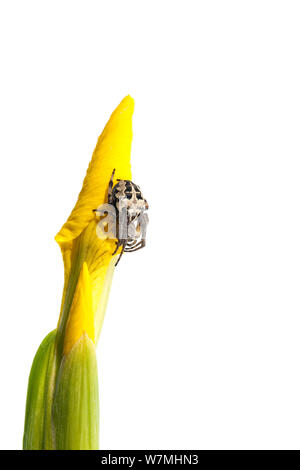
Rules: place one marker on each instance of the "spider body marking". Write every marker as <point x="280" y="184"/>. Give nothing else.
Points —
<point x="131" y="217"/>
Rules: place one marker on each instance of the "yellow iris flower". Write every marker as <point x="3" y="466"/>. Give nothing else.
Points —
<point x="77" y="238"/>
<point x="67" y="354"/>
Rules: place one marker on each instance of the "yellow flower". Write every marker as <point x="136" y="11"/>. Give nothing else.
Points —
<point x="77" y="238"/>
<point x="62" y="398"/>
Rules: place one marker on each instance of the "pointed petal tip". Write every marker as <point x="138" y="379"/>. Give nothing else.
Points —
<point x="112" y="151"/>
<point x="128" y="101"/>
<point x="126" y="106"/>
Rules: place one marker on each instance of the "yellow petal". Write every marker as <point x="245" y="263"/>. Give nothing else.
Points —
<point x="78" y="238"/>
<point x="112" y="151"/>
<point x="81" y="316"/>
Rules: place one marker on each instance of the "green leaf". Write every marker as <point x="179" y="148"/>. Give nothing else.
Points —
<point x="76" y="400"/>
<point x="37" y="430"/>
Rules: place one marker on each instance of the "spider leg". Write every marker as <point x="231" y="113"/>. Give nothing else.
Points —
<point x="136" y="247"/>
<point x="129" y="250"/>
<point x="131" y="243"/>
<point x="110" y="186"/>
<point x="122" y="251"/>
<point x="119" y="243"/>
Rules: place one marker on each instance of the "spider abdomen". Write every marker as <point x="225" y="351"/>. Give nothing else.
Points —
<point x="131" y="220"/>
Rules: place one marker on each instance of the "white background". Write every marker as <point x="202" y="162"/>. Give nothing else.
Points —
<point x="200" y="347"/>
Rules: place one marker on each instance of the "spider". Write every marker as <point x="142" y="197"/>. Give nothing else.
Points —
<point x="131" y="221"/>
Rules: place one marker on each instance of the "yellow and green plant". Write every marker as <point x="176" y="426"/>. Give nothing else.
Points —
<point x="62" y="407"/>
